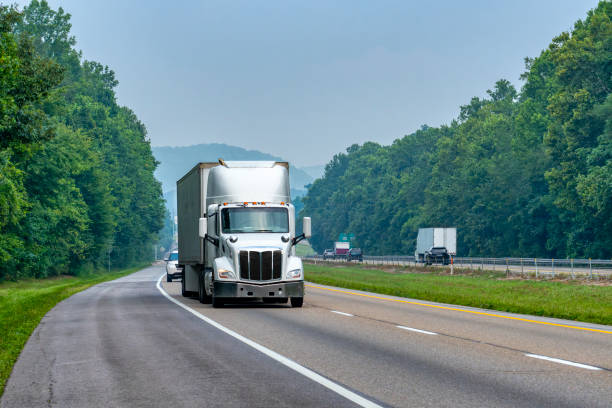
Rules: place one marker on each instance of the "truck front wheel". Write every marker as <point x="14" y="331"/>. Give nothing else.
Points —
<point x="297" y="301"/>
<point x="202" y="295"/>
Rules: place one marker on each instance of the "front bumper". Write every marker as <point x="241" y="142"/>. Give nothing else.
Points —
<point x="247" y="290"/>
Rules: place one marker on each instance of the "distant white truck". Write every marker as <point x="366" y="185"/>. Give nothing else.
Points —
<point x="341" y="249"/>
<point x="236" y="233"/>
<point x="431" y="240"/>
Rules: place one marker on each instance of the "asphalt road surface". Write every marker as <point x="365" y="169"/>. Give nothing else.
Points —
<point x="123" y="343"/>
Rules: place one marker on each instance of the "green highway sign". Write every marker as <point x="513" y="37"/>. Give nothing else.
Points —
<point x="344" y="237"/>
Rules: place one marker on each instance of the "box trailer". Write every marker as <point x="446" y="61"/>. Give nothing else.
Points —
<point x="429" y="238"/>
<point x="341" y="248"/>
<point x="236" y="233"/>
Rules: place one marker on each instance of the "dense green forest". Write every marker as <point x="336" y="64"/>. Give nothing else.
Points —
<point x="76" y="169"/>
<point x="524" y="173"/>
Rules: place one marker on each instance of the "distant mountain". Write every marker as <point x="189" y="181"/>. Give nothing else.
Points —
<point x="315" y="171"/>
<point x="176" y="161"/>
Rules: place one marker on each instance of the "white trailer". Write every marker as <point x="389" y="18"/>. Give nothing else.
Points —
<point x="435" y="238"/>
<point x="341" y="248"/>
<point x="236" y="233"/>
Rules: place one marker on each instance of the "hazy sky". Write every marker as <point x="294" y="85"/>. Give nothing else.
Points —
<point x="306" y="79"/>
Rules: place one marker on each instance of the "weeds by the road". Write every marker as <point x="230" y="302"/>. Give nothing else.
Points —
<point x="565" y="300"/>
<point x="23" y="304"/>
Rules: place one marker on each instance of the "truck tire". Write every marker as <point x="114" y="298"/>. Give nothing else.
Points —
<point x="202" y="296"/>
<point x="184" y="292"/>
<point x="297" y="301"/>
<point x="168" y="278"/>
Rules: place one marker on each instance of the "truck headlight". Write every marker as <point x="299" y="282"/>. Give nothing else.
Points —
<point x="294" y="274"/>
<point x="226" y="274"/>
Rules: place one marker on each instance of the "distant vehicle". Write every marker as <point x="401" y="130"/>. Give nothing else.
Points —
<point x="354" y="254"/>
<point x="329" y="253"/>
<point x="341" y="248"/>
<point x="437" y="255"/>
<point x="172" y="270"/>
<point x="435" y="238"/>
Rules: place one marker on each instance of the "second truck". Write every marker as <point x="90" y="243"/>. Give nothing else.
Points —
<point x="237" y="233"/>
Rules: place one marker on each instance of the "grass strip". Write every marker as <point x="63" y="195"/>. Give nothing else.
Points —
<point x="24" y="303"/>
<point x="565" y="300"/>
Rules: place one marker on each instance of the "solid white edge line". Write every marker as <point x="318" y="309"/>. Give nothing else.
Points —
<point x="557" y="360"/>
<point x="417" y="330"/>
<point x="342" y="313"/>
<point x="338" y="389"/>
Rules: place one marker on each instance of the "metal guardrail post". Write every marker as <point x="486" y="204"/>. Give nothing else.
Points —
<point x="590" y="269"/>
<point x="507" y="269"/>
<point x="536" y="265"/>
<point x="481" y="264"/>
<point x="553" y="266"/>
<point x="522" y="267"/>
<point x="572" y="265"/>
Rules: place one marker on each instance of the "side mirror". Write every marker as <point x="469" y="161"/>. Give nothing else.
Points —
<point x="167" y="259"/>
<point x="211" y="211"/>
<point x="306" y="227"/>
<point x="203" y="227"/>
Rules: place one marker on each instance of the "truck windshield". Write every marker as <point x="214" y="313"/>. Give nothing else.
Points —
<point x="241" y="220"/>
<point x="174" y="256"/>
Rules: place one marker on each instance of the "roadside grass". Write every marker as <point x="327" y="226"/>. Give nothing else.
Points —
<point x="571" y="300"/>
<point x="304" y="249"/>
<point x="24" y="303"/>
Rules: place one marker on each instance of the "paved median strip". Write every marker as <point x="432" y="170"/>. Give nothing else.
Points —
<point x="342" y="313"/>
<point x="566" y="362"/>
<point x="417" y="330"/>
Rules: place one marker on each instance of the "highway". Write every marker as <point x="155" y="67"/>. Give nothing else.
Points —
<point x="128" y="343"/>
<point x="561" y="268"/>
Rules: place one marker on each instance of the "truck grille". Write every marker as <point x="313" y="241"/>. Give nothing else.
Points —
<point x="260" y="266"/>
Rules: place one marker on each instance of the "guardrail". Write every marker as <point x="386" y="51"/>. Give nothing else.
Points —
<point x="538" y="267"/>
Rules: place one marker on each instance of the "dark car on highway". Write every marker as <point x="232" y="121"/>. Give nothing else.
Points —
<point x="354" y="254"/>
<point x="437" y="255"/>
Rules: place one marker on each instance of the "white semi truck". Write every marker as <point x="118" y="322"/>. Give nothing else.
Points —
<point x="435" y="239"/>
<point x="236" y="233"/>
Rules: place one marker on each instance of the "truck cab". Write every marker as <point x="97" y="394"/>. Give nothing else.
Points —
<point x="254" y="252"/>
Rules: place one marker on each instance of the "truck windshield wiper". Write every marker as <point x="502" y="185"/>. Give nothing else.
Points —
<point x="263" y="230"/>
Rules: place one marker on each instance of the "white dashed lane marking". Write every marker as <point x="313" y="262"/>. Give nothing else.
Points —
<point x="342" y="313"/>
<point x="417" y="330"/>
<point x="558" y="360"/>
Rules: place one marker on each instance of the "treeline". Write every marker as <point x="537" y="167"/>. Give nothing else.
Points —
<point x="76" y="169"/>
<point x="518" y="174"/>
